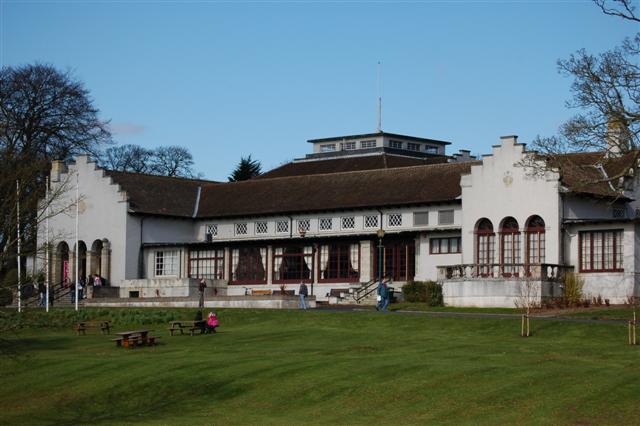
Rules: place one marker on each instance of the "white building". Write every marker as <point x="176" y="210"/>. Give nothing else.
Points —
<point x="482" y="228"/>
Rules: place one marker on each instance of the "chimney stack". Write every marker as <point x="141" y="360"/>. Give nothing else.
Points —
<point x="57" y="168"/>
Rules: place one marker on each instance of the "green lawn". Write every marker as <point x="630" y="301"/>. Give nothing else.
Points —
<point x="292" y="367"/>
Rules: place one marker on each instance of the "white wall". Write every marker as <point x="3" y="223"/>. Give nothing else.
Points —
<point x="226" y="227"/>
<point x="103" y="213"/>
<point x="498" y="189"/>
<point x="589" y="208"/>
<point x="615" y="286"/>
<point x="427" y="263"/>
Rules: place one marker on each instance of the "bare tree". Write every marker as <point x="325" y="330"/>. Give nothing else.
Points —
<point x="620" y="8"/>
<point x="45" y="114"/>
<point x="128" y="158"/>
<point x="528" y="298"/>
<point x="173" y="161"/>
<point x="606" y="93"/>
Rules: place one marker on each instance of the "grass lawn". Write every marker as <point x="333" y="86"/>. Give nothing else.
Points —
<point x="292" y="367"/>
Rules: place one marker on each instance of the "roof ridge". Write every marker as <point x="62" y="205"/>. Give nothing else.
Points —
<point x="182" y="178"/>
<point x="354" y="172"/>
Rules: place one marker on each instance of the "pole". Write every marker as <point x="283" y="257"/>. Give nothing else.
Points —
<point x="19" y="248"/>
<point x="379" y="99"/>
<point x="46" y="245"/>
<point x="77" y="239"/>
<point x="380" y="260"/>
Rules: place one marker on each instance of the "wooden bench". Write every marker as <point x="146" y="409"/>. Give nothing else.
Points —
<point x="136" y="341"/>
<point x="191" y="326"/>
<point x="82" y="326"/>
<point x="132" y="341"/>
<point x="176" y="327"/>
<point x="261" y="292"/>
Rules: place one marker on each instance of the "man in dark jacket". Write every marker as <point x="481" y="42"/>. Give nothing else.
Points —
<point x="201" y="287"/>
<point x="383" y="296"/>
<point x="42" y="289"/>
<point x="303" y="292"/>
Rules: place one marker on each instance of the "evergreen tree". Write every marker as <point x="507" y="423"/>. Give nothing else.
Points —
<point x="246" y="169"/>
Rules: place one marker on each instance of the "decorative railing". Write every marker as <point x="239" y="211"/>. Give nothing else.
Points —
<point x="541" y="271"/>
<point x="366" y="289"/>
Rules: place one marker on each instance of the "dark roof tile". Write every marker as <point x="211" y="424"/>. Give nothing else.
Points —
<point x="335" y="191"/>
<point x="349" y="164"/>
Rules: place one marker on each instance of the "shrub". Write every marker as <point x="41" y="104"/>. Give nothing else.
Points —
<point x="573" y="284"/>
<point x="429" y="292"/>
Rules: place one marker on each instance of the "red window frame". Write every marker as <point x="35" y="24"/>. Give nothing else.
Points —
<point x="399" y="259"/>
<point x="485" y="239"/>
<point x="536" y="229"/>
<point x="618" y="234"/>
<point x="433" y="242"/>
<point x="300" y="255"/>
<point x="337" y="250"/>
<point x="255" y="261"/>
<point x="510" y="242"/>
<point x="218" y="264"/>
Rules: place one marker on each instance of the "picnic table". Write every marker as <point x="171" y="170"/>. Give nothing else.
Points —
<point x="133" y="338"/>
<point x="104" y="325"/>
<point x="191" y="325"/>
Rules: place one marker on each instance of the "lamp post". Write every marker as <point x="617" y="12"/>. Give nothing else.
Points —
<point x="380" y="234"/>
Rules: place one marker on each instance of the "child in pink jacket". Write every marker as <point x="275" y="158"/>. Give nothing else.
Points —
<point x="212" y="322"/>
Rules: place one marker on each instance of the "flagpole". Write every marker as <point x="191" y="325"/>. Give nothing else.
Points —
<point x="77" y="239"/>
<point x="18" y="253"/>
<point x="46" y="254"/>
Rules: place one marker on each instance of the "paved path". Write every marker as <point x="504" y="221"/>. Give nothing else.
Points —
<point x="485" y="315"/>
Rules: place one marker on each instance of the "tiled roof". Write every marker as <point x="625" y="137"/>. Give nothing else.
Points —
<point x="311" y="190"/>
<point x="335" y="191"/>
<point x="336" y="165"/>
<point x="590" y="173"/>
<point x="159" y="195"/>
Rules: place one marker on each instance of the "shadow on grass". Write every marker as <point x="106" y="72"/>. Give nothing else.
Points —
<point x="15" y="347"/>
<point x="139" y="399"/>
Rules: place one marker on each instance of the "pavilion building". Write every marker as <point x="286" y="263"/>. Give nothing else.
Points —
<point x="358" y="207"/>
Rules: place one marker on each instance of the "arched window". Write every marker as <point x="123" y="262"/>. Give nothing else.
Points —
<point x="535" y="241"/>
<point x="485" y="246"/>
<point x="510" y="246"/>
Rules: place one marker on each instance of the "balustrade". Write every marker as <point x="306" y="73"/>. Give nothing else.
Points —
<point x="541" y="271"/>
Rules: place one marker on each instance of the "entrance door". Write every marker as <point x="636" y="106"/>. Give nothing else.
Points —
<point x="399" y="260"/>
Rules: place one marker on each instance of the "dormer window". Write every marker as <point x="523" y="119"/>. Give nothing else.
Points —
<point x="395" y="144"/>
<point x="330" y="147"/>
<point x="348" y="146"/>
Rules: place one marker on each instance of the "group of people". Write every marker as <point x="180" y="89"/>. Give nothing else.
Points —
<point x="93" y="280"/>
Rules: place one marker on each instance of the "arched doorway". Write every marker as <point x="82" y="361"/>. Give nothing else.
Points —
<point x="95" y="258"/>
<point x="82" y="260"/>
<point x="62" y="271"/>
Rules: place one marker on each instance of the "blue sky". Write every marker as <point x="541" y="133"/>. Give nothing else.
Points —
<point x="231" y="79"/>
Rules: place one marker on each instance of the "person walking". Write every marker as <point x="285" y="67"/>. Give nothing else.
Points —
<point x="42" y="289"/>
<point x="383" y="296"/>
<point x="303" y="292"/>
<point x="201" y="287"/>
<point x="81" y="285"/>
